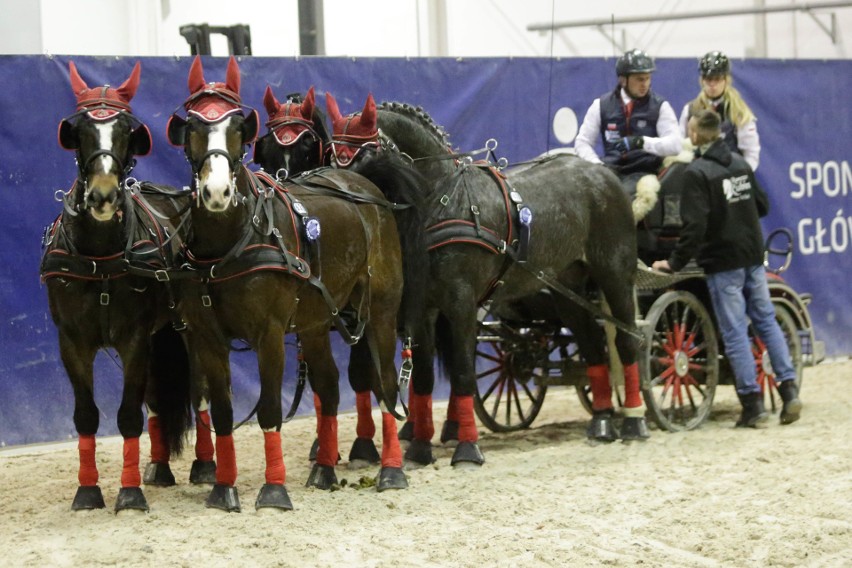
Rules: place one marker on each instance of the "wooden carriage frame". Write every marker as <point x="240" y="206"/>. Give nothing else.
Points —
<point x="681" y="361"/>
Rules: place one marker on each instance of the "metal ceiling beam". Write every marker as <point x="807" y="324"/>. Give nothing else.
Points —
<point x="598" y="23"/>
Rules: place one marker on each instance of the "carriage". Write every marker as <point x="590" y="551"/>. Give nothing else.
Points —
<point x="521" y="351"/>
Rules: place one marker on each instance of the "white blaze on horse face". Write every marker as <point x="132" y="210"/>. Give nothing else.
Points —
<point x="216" y="178"/>
<point x="103" y="180"/>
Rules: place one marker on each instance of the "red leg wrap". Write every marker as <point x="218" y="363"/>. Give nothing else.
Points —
<point x="203" y="437"/>
<point x="366" y="428"/>
<point x="421" y="407"/>
<point x="601" y="389"/>
<point x="328" y="451"/>
<point x="226" y="466"/>
<point x="632" y="399"/>
<point x="275" y="472"/>
<point x="467" y="423"/>
<point x="130" y="476"/>
<point x="391" y="450"/>
<point x="159" y="450"/>
<point x="88" y="473"/>
<point x="452" y="409"/>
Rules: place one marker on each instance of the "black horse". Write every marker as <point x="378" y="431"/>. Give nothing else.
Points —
<point x="557" y="222"/>
<point x="298" y="141"/>
<point x="262" y="270"/>
<point x="101" y="261"/>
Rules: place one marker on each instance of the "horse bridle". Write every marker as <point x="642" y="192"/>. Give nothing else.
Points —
<point x="83" y="165"/>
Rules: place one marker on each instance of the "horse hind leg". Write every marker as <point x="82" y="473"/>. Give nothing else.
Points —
<point x="619" y="296"/>
<point x="361" y="375"/>
<point x="168" y="402"/>
<point x="590" y="341"/>
<point x="324" y="377"/>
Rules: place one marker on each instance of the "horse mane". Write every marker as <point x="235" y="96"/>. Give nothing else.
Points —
<point x="420" y="116"/>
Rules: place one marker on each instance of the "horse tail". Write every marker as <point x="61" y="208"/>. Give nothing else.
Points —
<point x="170" y="377"/>
<point x="403" y="185"/>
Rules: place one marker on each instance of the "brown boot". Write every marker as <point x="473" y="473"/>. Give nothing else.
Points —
<point x="792" y="405"/>
<point x="753" y="415"/>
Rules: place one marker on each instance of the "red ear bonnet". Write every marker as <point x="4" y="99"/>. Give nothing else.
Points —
<point x="351" y="133"/>
<point x="103" y="103"/>
<point x="212" y="102"/>
<point x="289" y="121"/>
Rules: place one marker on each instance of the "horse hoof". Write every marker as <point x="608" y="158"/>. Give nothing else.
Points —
<point x="450" y="433"/>
<point x="364" y="450"/>
<point x="391" y="478"/>
<point x="273" y="496"/>
<point x="159" y="475"/>
<point x="634" y="428"/>
<point x="467" y="453"/>
<point x="224" y="497"/>
<point x="88" y="497"/>
<point x="602" y="427"/>
<point x="202" y="472"/>
<point x="322" y="477"/>
<point x="130" y="498"/>
<point x="406" y="433"/>
<point x="419" y="454"/>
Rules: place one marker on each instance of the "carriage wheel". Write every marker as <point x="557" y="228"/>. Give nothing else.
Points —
<point x="511" y="378"/>
<point x="683" y="362"/>
<point x="765" y="374"/>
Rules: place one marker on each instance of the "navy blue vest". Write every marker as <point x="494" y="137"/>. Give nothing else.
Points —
<point x="643" y="122"/>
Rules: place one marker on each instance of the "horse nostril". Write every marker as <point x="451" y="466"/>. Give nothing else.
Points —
<point x="205" y="193"/>
<point x="227" y="193"/>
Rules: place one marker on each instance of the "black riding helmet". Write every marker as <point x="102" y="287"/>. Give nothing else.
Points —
<point x="714" y="63"/>
<point x="634" y="61"/>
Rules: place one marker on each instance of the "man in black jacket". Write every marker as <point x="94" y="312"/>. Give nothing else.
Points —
<point x="720" y="209"/>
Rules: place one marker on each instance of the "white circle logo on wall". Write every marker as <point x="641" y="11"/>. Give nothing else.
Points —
<point x="565" y="125"/>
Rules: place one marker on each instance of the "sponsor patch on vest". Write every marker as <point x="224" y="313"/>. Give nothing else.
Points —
<point x="736" y="188"/>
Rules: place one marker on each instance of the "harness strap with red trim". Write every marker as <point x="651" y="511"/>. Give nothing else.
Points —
<point x="457" y="231"/>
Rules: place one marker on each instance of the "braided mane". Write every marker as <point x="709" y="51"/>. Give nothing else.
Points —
<point x="419" y="115"/>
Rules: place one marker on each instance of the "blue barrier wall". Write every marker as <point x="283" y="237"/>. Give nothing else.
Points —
<point x="805" y="123"/>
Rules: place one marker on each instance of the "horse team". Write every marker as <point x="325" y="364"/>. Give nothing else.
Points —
<point x="376" y="230"/>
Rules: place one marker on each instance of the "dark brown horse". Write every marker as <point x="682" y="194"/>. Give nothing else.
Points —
<point x="102" y="258"/>
<point x="298" y="141"/>
<point x="270" y="259"/>
<point x="500" y="237"/>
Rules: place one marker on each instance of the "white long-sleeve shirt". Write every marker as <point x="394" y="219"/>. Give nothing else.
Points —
<point x="666" y="143"/>
<point x="748" y="140"/>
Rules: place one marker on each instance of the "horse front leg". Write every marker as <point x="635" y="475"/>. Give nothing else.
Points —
<point x="213" y="362"/>
<point x="463" y="328"/>
<point x="78" y="360"/>
<point x="134" y="357"/>
<point x="270" y="361"/>
<point x="324" y="376"/>
<point x="419" y="451"/>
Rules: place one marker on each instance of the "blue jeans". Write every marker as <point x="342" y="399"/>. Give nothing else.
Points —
<point x="737" y="296"/>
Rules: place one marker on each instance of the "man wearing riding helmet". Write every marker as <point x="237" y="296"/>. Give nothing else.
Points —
<point x="739" y="129"/>
<point x="637" y="126"/>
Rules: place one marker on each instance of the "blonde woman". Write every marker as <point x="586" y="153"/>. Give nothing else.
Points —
<point x="739" y="129"/>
